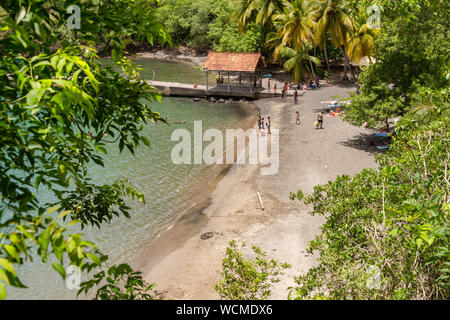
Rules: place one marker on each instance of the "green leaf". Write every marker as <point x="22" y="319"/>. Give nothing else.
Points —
<point x="34" y="96"/>
<point x="64" y="213"/>
<point x="4" y="277"/>
<point x="52" y="209"/>
<point x="59" y="98"/>
<point x="70" y="246"/>
<point x="73" y="222"/>
<point x="11" y="251"/>
<point x="44" y="240"/>
<point x="393" y="232"/>
<point x="146" y="141"/>
<point x="94" y="258"/>
<point x="7" y="265"/>
<point x="34" y="145"/>
<point x="22" y="13"/>
<point x="42" y="63"/>
<point x="62" y="172"/>
<point x="2" y="291"/>
<point x="58" y="267"/>
<point x="419" y="242"/>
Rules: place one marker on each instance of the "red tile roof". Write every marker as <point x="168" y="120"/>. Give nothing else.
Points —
<point x="232" y="61"/>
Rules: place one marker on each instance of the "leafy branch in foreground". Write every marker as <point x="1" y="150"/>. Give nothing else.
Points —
<point x="394" y="220"/>
<point x="59" y="110"/>
<point x="120" y="283"/>
<point x="244" y="279"/>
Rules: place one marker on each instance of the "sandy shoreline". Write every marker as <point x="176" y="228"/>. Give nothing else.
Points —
<point x="191" y="267"/>
<point x="190" y="220"/>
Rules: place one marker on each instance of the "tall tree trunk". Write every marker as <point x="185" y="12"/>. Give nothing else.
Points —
<point x="345" y="72"/>
<point x="312" y="69"/>
<point x="347" y="62"/>
<point x="326" y="57"/>
<point x="310" y="64"/>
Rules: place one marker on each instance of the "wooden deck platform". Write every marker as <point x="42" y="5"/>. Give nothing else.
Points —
<point x="188" y="90"/>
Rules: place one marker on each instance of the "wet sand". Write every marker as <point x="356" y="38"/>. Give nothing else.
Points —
<point x="187" y="266"/>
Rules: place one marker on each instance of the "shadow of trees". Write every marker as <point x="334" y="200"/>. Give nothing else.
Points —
<point x="366" y="142"/>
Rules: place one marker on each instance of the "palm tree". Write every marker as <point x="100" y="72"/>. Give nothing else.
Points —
<point x="273" y="42"/>
<point x="297" y="62"/>
<point x="362" y="43"/>
<point x="269" y="8"/>
<point x="332" y="18"/>
<point x="295" y="25"/>
<point x="261" y="11"/>
<point x="245" y="11"/>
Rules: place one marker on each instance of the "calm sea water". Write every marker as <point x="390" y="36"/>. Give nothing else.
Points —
<point x="160" y="70"/>
<point x="168" y="189"/>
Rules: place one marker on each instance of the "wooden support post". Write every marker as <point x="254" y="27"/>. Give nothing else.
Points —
<point x="206" y="82"/>
<point x="261" y="77"/>
<point x="228" y="81"/>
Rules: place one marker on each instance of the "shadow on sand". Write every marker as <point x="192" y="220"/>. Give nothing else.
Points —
<point x="324" y="109"/>
<point x="363" y="142"/>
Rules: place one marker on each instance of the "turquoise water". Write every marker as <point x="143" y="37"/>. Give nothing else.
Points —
<point x="160" y="70"/>
<point x="168" y="189"/>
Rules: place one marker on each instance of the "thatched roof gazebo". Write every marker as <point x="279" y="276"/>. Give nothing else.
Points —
<point x="246" y="67"/>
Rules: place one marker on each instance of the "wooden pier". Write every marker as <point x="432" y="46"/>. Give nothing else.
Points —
<point x="239" y="75"/>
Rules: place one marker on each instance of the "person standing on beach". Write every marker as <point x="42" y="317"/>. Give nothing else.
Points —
<point x="261" y="127"/>
<point x="259" y="122"/>
<point x="297" y="117"/>
<point x="283" y="95"/>
<point x="320" y="120"/>
<point x="275" y="88"/>
<point x="268" y="124"/>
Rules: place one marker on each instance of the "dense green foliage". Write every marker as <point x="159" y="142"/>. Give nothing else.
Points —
<point x="58" y="110"/>
<point x="413" y="52"/>
<point x="269" y="26"/>
<point x="207" y="24"/>
<point x="247" y="279"/>
<point x="394" y="219"/>
<point x="308" y="27"/>
<point x="120" y="283"/>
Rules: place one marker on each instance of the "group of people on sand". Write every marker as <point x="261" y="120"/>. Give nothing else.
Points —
<point x="261" y="125"/>
<point x="176" y="122"/>
<point x="318" y="124"/>
<point x="307" y="85"/>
